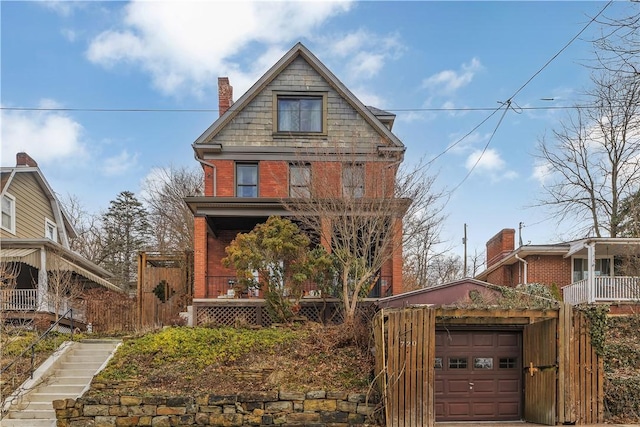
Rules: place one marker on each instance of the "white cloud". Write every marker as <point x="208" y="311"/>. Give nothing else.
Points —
<point x="541" y="172"/>
<point x="490" y="163"/>
<point x="463" y="145"/>
<point x="185" y="46"/>
<point x="120" y="164"/>
<point x="61" y="7"/>
<point x="449" y="81"/>
<point x="47" y="136"/>
<point x="69" y="34"/>
<point x="363" y="53"/>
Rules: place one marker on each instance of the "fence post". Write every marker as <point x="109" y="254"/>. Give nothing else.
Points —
<point x="71" y="313"/>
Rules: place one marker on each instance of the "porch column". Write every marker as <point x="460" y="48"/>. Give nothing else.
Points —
<point x="43" y="283"/>
<point x="200" y="257"/>
<point x="396" y="257"/>
<point x="591" y="270"/>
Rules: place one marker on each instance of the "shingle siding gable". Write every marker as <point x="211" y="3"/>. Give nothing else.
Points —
<point x="253" y="126"/>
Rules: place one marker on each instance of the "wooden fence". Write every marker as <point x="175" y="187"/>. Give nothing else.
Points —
<point x="405" y="368"/>
<point x="581" y="371"/>
<point x="109" y="311"/>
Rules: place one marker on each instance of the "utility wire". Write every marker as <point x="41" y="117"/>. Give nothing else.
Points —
<point x="215" y="110"/>
<point x="508" y="102"/>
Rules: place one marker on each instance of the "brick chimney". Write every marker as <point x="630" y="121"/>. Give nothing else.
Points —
<point x="500" y="246"/>
<point x="225" y="95"/>
<point x="23" y="159"/>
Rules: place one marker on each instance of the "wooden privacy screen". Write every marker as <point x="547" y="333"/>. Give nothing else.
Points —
<point x="405" y="351"/>
<point x="581" y="371"/>
<point x="165" y="287"/>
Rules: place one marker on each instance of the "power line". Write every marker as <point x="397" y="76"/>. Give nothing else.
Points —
<point x="215" y="110"/>
<point x="508" y="102"/>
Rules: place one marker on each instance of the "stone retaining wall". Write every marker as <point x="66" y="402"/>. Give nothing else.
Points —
<point x="270" y="408"/>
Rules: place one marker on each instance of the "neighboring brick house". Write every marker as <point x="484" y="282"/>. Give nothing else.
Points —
<point x="259" y="152"/>
<point x="586" y="270"/>
<point x="35" y="233"/>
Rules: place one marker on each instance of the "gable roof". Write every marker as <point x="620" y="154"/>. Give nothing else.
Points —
<point x="62" y="218"/>
<point x="299" y="50"/>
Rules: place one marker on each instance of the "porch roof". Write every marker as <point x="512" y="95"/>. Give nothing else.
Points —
<point x="28" y="251"/>
<point x="608" y="245"/>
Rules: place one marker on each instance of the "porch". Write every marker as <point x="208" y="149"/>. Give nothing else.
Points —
<point x="603" y="289"/>
<point x="224" y="287"/>
<point x="26" y="302"/>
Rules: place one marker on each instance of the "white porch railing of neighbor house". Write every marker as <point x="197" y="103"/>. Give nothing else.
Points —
<point x="605" y="289"/>
<point x="26" y="300"/>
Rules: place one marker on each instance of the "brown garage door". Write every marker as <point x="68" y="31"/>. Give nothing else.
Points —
<point x="478" y="375"/>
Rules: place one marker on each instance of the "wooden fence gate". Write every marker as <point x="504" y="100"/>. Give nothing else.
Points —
<point x="165" y="287"/>
<point x="405" y="368"/>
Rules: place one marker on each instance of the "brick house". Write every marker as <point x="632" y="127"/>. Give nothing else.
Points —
<point x="594" y="269"/>
<point x="298" y="132"/>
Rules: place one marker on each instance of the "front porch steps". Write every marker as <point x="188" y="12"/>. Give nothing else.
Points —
<point x="67" y="378"/>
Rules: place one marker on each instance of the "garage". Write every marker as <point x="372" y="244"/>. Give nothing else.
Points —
<point x="478" y="375"/>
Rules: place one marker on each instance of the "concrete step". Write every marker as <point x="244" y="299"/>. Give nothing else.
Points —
<point x="16" y="422"/>
<point x="30" y="414"/>
<point x="34" y="405"/>
<point x="69" y="380"/>
<point x="49" y="397"/>
<point x="67" y="366"/>
<point x="66" y="377"/>
<point x="62" y="388"/>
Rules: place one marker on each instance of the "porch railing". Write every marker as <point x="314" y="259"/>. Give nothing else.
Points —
<point x="26" y="300"/>
<point x="606" y="289"/>
<point x="223" y="287"/>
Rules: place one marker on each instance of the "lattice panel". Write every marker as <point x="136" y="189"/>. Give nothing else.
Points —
<point x="229" y="316"/>
<point x="311" y="312"/>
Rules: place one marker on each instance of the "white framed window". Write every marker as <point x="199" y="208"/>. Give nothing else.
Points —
<point x="9" y="213"/>
<point x="50" y="230"/>
<point x="300" y="113"/>
<point x="246" y="180"/>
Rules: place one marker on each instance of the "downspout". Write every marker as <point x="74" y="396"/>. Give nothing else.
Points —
<point x="215" y="173"/>
<point x="591" y="267"/>
<point x="525" y="267"/>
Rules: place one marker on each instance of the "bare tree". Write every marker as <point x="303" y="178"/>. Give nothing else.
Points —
<point x="592" y="162"/>
<point x="354" y="205"/>
<point x="164" y="193"/>
<point x="89" y="239"/>
<point x="618" y="47"/>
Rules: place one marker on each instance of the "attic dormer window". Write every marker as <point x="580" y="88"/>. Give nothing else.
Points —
<point x="300" y="114"/>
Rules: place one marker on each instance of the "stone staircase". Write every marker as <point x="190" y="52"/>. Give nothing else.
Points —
<point x="68" y="376"/>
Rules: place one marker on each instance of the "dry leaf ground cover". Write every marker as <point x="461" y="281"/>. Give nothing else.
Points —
<point x="181" y="360"/>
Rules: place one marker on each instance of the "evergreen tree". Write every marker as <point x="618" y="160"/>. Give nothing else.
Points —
<point x="126" y="231"/>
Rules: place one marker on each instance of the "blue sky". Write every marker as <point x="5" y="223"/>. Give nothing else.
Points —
<point x="404" y="57"/>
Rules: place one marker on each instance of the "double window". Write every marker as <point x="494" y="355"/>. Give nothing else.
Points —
<point x="300" y="181"/>
<point x="300" y="113"/>
<point x="246" y="180"/>
<point x="9" y="213"/>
